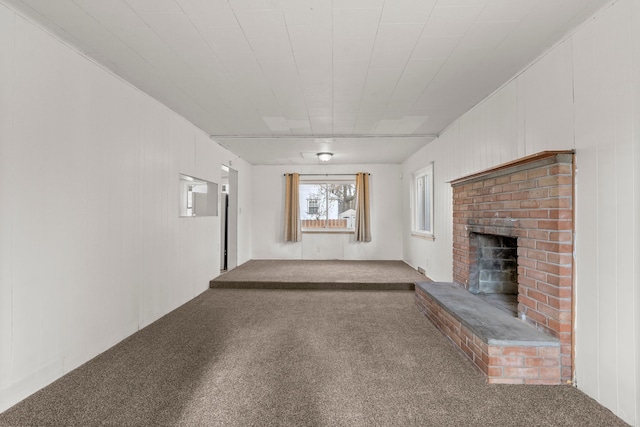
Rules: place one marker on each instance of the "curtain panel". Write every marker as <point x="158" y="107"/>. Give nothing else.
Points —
<point x="363" y="222"/>
<point x="292" y="228"/>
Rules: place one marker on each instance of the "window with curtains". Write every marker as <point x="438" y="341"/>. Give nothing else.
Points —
<point x="422" y="201"/>
<point x="327" y="205"/>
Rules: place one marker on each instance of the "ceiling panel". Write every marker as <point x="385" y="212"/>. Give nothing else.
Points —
<point x="398" y="36"/>
<point x="358" y="4"/>
<point x="487" y="34"/>
<point x="407" y="11"/>
<point x="450" y="20"/>
<point x="506" y="10"/>
<point x="207" y="13"/>
<point x="389" y="58"/>
<point x="353" y="49"/>
<point x="262" y="24"/>
<point x="429" y="47"/>
<point x="254" y="5"/>
<point x="267" y="76"/>
<point x="227" y="42"/>
<point x="355" y="23"/>
<point x="463" y="3"/>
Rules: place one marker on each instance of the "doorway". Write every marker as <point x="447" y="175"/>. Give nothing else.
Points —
<point x="228" y="218"/>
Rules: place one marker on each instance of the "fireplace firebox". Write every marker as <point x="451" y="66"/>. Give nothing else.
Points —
<point x="494" y="276"/>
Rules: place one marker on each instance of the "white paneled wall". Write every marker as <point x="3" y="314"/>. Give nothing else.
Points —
<point x="635" y="90"/>
<point x="91" y="246"/>
<point x="607" y="143"/>
<point x="6" y="122"/>
<point x="545" y="102"/>
<point x="268" y="211"/>
<point x="584" y="94"/>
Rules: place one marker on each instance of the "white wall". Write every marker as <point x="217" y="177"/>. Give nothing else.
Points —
<point x="584" y="94"/>
<point x="91" y="246"/>
<point x="607" y="118"/>
<point x="268" y="211"/>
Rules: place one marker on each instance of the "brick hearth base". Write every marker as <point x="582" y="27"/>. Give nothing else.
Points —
<point x="505" y="349"/>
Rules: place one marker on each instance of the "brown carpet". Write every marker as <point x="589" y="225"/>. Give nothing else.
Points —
<point x="336" y="274"/>
<point x="295" y="358"/>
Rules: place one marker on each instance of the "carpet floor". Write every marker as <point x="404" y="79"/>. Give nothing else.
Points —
<point x="320" y="274"/>
<point x="295" y="358"/>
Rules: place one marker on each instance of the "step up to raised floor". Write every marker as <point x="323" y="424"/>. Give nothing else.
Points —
<point x="504" y="348"/>
<point x="346" y="286"/>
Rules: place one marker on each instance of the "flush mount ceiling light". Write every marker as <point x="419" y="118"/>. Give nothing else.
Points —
<point x="325" y="156"/>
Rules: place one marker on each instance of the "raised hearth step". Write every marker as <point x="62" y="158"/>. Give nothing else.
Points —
<point x="505" y="349"/>
<point x="487" y="322"/>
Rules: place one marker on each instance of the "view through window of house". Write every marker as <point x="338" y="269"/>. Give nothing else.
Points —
<point x="328" y="205"/>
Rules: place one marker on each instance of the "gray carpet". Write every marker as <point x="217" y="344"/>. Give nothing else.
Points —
<point x="312" y="274"/>
<point x="295" y="358"/>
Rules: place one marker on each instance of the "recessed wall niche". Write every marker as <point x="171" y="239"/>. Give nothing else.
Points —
<point x="197" y="197"/>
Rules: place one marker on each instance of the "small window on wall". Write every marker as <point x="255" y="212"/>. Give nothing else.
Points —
<point x="327" y="205"/>
<point x="198" y="197"/>
<point x="422" y="200"/>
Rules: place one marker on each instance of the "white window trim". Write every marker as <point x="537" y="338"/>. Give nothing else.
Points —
<point x="429" y="235"/>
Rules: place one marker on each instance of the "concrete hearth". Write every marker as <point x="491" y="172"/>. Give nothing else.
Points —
<point x="505" y="349"/>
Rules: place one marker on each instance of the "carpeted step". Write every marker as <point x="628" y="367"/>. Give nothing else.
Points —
<point x="347" y="286"/>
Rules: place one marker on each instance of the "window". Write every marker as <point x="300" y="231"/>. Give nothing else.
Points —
<point x="327" y="205"/>
<point x="312" y="206"/>
<point x="197" y="197"/>
<point x="422" y="199"/>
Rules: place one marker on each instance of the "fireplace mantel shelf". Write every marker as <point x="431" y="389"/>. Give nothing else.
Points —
<point x="509" y="165"/>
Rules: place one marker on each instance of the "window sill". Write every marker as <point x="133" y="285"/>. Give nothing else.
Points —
<point x="424" y="236"/>
<point x="328" y="231"/>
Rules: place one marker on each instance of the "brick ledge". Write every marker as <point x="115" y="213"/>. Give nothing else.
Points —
<point x="505" y="349"/>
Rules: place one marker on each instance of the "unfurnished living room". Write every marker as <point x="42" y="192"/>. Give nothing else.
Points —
<point x="320" y="212"/>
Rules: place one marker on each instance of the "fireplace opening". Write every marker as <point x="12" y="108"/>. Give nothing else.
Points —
<point x="495" y="275"/>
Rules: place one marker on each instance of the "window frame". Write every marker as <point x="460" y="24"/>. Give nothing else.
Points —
<point x="416" y="177"/>
<point x="346" y="179"/>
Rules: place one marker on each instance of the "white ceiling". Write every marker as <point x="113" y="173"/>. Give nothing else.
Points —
<point x="271" y="80"/>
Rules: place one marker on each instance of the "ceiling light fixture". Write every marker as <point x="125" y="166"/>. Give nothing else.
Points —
<point x="325" y="156"/>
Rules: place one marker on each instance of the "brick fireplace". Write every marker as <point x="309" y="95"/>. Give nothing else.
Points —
<point x="512" y="239"/>
<point x="528" y="202"/>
